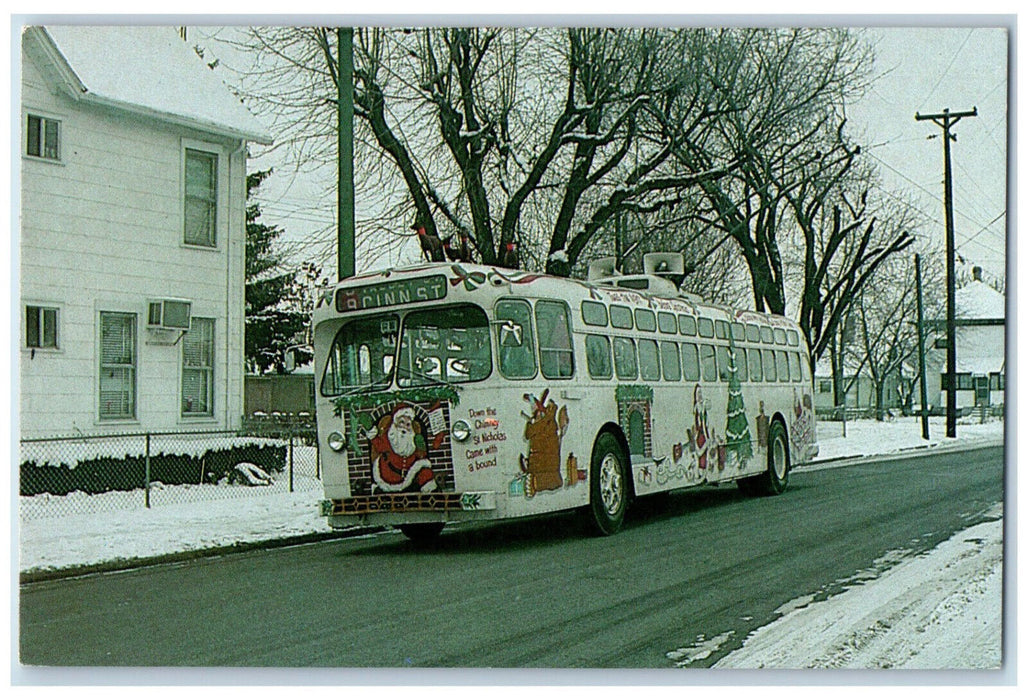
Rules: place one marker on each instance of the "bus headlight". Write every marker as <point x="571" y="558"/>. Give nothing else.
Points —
<point x="336" y="442"/>
<point x="460" y="430"/>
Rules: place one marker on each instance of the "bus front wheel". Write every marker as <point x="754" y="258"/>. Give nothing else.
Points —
<point x="608" y="485"/>
<point x="421" y="532"/>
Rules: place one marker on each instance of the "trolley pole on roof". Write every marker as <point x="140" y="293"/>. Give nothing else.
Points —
<point x="344" y="200"/>
<point x="946" y="120"/>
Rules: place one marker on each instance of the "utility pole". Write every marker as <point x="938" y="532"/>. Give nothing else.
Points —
<point x="946" y="121"/>
<point x="920" y="349"/>
<point x="344" y="194"/>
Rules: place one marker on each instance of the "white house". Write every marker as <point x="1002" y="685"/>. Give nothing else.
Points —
<point x="980" y="314"/>
<point x="133" y="189"/>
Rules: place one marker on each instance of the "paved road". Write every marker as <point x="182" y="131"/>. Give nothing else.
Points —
<point x="535" y="594"/>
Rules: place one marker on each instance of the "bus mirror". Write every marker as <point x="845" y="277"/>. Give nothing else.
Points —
<point x="289" y="357"/>
<point x="510" y="335"/>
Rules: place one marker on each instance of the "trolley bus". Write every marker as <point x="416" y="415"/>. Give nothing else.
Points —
<point x="454" y="392"/>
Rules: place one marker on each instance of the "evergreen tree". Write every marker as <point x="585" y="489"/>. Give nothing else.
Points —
<point x="277" y="302"/>
<point x="737" y="430"/>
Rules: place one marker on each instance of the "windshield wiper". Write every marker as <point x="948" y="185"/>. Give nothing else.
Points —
<point x="380" y="384"/>
<point x="412" y="373"/>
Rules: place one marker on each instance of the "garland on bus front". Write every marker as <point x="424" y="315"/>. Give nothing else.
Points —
<point x="418" y="395"/>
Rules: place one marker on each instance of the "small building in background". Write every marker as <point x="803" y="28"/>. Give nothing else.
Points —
<point x="981" y="349"/>
<point x="981" y="362"/>
<point x="290" y="394"/>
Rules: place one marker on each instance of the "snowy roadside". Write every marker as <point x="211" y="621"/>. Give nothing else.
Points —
<point x="104" y="535"/>
<point x="939" y="610"/>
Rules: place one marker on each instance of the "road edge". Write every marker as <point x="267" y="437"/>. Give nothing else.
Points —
<point x="116" y="565"/>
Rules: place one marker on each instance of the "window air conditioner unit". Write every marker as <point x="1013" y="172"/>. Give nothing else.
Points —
<point x="169" y="314"/>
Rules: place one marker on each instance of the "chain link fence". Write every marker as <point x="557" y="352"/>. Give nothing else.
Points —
<point x="93" y="473"/>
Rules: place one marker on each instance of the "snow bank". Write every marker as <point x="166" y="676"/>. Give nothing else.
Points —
<point x="940" y="610"/>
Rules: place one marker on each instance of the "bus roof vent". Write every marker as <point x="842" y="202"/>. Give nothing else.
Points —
<point x="603" y="268"/>
<point x="667" y="265"/>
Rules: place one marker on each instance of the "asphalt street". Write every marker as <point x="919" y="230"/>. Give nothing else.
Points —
<point x="538" y="593"/>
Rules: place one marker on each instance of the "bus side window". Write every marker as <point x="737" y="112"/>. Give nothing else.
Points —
<point x="624" y="358"/>
<point x="597" y="357"/>
<point x="556" y="356"/>
<point x="707" y="362"/>
<point x="670" y="364"/>
<point x="794" y="367"/>
<point x="690" y="362"/>
<point x="516" y="350"/>
<point x="769" y="365"/>
<point x="740" y="364"/>
<point x="649" y="360"/>
<point x="756" y="370"/>
<point x="722" y="362"/>
<point x="783" y="365"/>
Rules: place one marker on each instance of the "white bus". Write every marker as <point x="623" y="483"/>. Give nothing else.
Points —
<point x="453" y="392"/>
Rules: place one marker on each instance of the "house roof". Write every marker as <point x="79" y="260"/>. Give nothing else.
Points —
<point x="977" y="300"/>
<point x="149" y="70"/>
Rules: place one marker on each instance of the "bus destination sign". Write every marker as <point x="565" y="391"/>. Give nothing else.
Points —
<point x="373" y="296"/>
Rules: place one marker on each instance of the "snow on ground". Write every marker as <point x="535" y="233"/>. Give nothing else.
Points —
<point x="938" y="610"/>
<point x="870" y="437"/>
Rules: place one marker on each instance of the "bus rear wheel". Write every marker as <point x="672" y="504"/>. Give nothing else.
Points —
<point x="773" y="481"/>
<point x="421" y="532"/>
<point x="608" y="485"/>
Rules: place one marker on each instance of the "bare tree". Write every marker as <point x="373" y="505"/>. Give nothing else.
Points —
<point x="886" y="314"/>
<point x="780" y="97"/>
<point x="512" y="145"/>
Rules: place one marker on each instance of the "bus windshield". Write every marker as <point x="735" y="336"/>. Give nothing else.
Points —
<point x="362" y="354"/>
<point x="440" y="345"/>
<point x="449" y="344"/>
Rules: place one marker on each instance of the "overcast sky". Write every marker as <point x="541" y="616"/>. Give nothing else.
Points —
<point x="928" y="70"/>
<point x="919" y="69"/>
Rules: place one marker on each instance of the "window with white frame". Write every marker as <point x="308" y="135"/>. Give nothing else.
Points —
<point x="43" y="137"/>
<point x="201" y="197"/>
<point x="117" y="365"/>
<point x="41" y="327"/>
<point x="198" y="368"/>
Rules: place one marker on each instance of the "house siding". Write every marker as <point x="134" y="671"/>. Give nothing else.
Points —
<point x="102" y="231"/>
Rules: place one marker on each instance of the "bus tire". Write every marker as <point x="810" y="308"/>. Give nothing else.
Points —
<point x="776" y="478"/>
<point x="421" y="532"/>
<point x="608" y="485"/>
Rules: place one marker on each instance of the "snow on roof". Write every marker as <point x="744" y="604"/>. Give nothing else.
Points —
<point x="979" y="300"/>
<point x="151" y="69"/>
<point x="980" y="365"/>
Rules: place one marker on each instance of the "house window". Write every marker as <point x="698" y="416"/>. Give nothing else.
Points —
<point x="201" y="206"/>
<point x="964" y="381"/>
<point x="117" y="365"/>
<point x="40" y="327"/>
<point x="43" y="137"/>
<point x="198" y="368"/>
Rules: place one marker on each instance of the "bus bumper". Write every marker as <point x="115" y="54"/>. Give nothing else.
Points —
<point x="401" y="503"/>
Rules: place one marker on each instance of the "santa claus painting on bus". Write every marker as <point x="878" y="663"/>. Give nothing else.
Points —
<point x="399" y="454"/>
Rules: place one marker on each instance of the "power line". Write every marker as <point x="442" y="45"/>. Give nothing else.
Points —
<point x="969" y="240"/>
<point x="952" y="60"/>
<point x="925" y="190"/>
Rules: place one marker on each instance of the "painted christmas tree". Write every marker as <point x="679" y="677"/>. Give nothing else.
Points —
<point x="737" y="431"/>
